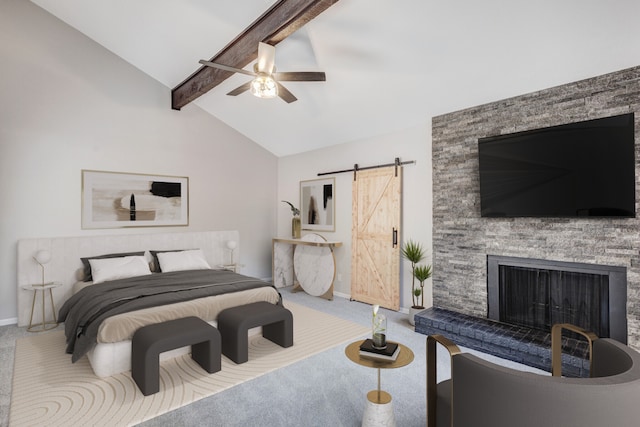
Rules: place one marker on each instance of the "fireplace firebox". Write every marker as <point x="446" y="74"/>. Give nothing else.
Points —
<point x="538" y="293"/>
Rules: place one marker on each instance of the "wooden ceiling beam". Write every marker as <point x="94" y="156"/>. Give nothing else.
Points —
<point x="281" y="20"/>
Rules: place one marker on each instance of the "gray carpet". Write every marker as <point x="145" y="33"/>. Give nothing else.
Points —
<point x="325" y="389"/>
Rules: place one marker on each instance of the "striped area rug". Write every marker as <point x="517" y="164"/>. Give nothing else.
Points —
<point x="49" y="390"/>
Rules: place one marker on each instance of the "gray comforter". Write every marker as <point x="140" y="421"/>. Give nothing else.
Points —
<point x="84" y="312"/>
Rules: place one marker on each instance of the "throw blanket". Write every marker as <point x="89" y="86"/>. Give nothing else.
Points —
<point x="84" y="312"/>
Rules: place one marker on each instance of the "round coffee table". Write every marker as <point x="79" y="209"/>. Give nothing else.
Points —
<point x="379" y="410"/>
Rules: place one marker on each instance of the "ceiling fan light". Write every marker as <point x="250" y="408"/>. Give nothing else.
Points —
<point x="264" y="86"/>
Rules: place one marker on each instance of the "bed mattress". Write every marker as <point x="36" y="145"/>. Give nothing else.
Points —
<point x="112" y="354"/>
<point x="100" y="319"/>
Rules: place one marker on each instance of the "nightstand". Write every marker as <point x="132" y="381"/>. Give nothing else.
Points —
<point x="232" y="267"/>
<point x="44" y="325"/>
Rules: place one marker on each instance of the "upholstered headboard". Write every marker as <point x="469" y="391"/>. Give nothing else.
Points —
<point x="67" y="251"/>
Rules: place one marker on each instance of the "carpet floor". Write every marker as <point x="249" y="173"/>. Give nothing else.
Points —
<point x="49" y="390"/>
<point x="320" y="390"/>
<point x="326" y="389"/>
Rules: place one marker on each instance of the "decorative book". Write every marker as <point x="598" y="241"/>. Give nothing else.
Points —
<point x="390" y="353"/>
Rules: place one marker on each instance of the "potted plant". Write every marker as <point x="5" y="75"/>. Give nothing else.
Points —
<point x="295" y="221"/>
<point x="414" y="253"/>
<point x="422" y="273"/>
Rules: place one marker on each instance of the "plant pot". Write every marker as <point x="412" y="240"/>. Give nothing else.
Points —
<point x="296" y="227"/>
<point x="412" y="312"/>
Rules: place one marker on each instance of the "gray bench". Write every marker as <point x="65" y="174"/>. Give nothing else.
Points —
<point x="234" y="324"/>
<point x="149" y="341"/>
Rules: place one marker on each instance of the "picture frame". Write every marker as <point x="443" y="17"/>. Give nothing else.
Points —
<point x="317" y="206"/>
<point x="122" y="200"/>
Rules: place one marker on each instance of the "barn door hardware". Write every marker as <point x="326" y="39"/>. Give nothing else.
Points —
<point x="357" y="168"/>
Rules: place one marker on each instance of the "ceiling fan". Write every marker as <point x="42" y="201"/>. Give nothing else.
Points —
<point x="266" y="82"/>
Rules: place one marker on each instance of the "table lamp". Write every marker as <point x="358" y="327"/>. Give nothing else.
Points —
<point x="231" y="245"/>
<point x="42" y="257"/>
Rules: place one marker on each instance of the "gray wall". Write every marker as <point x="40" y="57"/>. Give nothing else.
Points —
<point x="410" y="144"/>
<point x="67" y="104"/>
<point x="462" y="239"/>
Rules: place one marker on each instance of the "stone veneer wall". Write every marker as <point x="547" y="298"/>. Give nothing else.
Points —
<point x="462" y="239"/>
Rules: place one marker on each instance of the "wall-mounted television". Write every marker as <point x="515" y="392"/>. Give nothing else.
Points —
<point x="583" y="169"/>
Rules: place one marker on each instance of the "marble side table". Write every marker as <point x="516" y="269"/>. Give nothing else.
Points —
<point x="379" y="409"/>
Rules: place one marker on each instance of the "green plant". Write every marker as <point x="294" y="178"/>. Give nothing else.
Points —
<point x="422" y="273"/>
<point x="414" y="253"/>
<point x="295" y="211"/>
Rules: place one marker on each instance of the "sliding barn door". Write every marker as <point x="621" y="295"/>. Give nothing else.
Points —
<point x="375" y="263"/>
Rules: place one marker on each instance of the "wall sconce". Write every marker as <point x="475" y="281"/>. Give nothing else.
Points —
<point x="42" y="257"/>
<point x="231" y="245"/>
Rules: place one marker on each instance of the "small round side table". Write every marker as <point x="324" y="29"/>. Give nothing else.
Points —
<point x="44" y="325"/>
<point x="379" y="410"/>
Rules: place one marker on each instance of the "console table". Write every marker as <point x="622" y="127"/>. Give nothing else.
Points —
<point x="307" y="263"/>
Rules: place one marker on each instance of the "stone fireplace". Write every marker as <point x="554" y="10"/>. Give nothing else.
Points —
<point x="462" y="239"/>
<point x="526" y="296"/>
<point x="537" y="293"/>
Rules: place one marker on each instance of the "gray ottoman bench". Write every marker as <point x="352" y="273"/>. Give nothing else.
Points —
<point x="234" y="324"/>
<point x="151" y="340"/>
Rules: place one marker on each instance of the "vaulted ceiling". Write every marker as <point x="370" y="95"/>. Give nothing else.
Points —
<point x="390" y="64"/>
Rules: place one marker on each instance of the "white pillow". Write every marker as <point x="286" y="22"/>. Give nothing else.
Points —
<point x="104" y="269"/>
<point x="183" y="260"/>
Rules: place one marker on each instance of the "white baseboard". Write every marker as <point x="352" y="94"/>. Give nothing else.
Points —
<point x="341" y="295"/>
<point x="11" y="321"/>
<point x="348" y="296"/>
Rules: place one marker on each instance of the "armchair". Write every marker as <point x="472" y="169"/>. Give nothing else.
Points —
<point x="481" y="393"/>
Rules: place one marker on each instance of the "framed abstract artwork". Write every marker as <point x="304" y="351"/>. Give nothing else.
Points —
<point x="317" y="204"/>
<point x="116" y="200"/>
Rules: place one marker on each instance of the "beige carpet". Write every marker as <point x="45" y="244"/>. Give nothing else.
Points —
<point x="49" y="390"/>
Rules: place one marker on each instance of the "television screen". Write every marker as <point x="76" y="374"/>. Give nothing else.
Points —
<point x="573" y="170"/>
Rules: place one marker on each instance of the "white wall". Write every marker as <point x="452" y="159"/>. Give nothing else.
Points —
<point x="67" y="104"/>
<point x="411" y="144"/>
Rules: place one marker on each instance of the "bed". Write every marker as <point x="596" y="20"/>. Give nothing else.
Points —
<point x="202" y="291"/>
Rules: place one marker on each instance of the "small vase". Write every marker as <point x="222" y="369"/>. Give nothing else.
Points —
<point x="379" y="331"/>
<point x="295" y="227"/>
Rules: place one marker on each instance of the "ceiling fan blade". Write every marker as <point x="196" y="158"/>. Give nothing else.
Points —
<point x="226" y="67"/>
<point x="301" y="76"/>
<point x="284" y="93"/>
<point x="240" y="89"/>
<point x="266" y="58"/>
